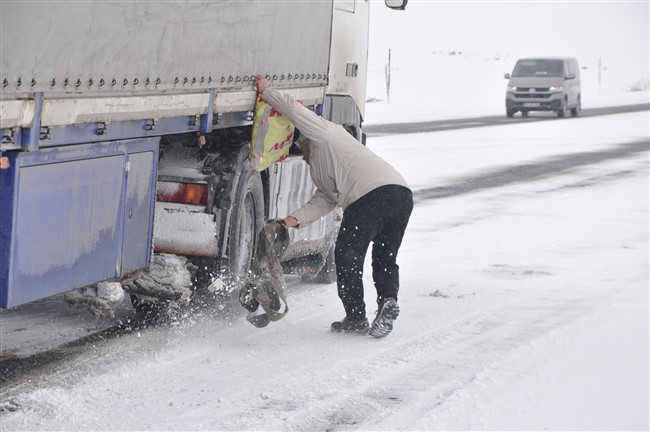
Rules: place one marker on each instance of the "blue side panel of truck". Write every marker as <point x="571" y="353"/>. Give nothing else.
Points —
<point x="72" y="216"/>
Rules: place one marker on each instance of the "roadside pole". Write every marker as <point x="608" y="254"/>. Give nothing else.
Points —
<point x="388" y="79"/>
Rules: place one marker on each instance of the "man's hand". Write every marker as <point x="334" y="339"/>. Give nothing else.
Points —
<point x="288" y="222"/>
<point x="261" y="84"/>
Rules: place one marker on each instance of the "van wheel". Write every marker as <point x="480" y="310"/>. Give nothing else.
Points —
<point x="510" y="113"/>
<point x="575" y="112"/>
<point x="524" y="114"/>
<point x="562" y="112"/>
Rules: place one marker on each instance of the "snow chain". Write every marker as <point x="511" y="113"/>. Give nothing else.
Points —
<point x="266" y="285"/>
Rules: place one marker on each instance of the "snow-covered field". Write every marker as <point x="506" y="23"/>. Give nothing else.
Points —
<point x="524" y="307"/>
<point x="448" y="58"/>
<point x="447" y="85"/>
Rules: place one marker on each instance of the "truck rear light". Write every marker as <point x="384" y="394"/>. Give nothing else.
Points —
<point x="183" y="193"/>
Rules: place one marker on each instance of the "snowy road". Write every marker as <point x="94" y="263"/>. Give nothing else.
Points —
<point x="462" y="123"/>
<point x="524" y="307"/>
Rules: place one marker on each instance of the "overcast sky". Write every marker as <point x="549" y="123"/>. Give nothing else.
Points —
<point x="616" y="32"/>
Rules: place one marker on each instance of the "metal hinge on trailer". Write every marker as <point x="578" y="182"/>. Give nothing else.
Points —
<point x="150" y="125"/>
<point x="195" y="121"/>
<point x="102" y="128"/>
<point x="46" y="133"/>
<point x="10" y="137"/>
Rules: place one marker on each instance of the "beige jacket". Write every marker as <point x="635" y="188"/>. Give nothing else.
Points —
<point x="342" y="168"/>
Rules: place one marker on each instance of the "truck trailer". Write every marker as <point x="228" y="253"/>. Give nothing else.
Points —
<point x="125" y="132"/>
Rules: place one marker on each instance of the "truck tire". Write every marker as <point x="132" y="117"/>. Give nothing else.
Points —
<point x="246" y="221"/>
<point x="327" y="275"/>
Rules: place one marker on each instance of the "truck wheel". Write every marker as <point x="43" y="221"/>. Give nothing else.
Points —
<point x="327" y="275"/>
<point x="217" y="280"/>
<point x="246" y="221"/>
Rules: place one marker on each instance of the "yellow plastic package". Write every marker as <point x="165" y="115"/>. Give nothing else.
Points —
<point x="272" y="136"/>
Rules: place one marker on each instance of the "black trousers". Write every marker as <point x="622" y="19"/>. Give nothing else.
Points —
<point x="380" y="217"/>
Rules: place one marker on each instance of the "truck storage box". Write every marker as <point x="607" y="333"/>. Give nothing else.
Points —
<point x="73" y="216"/>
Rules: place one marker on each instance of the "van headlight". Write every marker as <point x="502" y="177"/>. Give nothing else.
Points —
<point x="512" y="88"/>
<point x="556" y="88"/>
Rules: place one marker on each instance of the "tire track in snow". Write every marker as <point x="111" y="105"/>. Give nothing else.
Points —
<point x="397" y="384"/>
<point x="529" y="172"/>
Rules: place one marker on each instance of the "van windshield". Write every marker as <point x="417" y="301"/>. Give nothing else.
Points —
<point x="538" y="68"/>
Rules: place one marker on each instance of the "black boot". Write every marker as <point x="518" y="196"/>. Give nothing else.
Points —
<point x="347" y="325"/>
<point x="383" y="322"/>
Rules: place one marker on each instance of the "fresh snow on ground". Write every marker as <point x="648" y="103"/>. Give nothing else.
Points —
<point x="449" y="84"/>
<point x="524" y="307"/>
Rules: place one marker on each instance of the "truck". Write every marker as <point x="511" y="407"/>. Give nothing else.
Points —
<point x="125" y="132"/>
